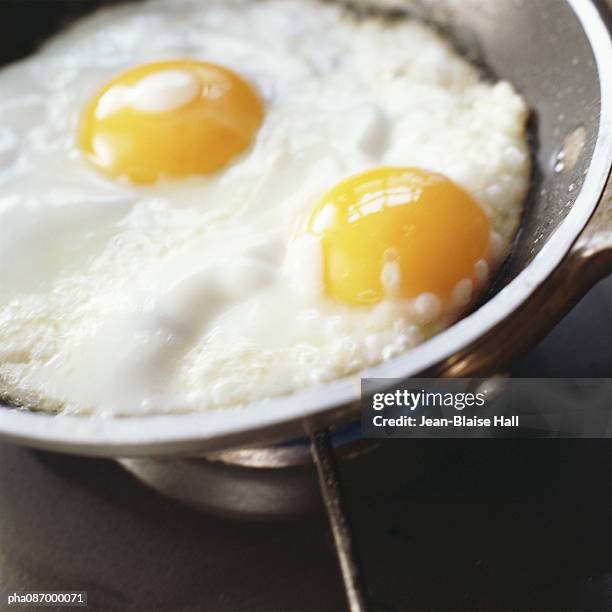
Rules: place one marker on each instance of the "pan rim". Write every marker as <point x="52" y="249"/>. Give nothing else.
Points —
<point x="284" y="416"/>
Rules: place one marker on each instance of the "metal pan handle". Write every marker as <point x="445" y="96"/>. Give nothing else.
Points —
<point x="588" y="261"/>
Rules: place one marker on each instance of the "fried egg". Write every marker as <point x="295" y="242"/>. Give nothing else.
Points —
<point x="207" y="204"/>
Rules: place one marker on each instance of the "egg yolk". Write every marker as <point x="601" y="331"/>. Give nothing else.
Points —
<point x="170" y="119"/>
<point x="398" y="232"/>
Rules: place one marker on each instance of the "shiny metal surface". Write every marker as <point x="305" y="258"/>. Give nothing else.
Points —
<point x="558" y="53"/>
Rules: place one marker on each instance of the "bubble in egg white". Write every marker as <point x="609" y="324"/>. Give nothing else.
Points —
<point x="427" y="308"/>
<point x="481" y="271"/>
<point x="390" y="278"/>
<point x="462" y="293"/>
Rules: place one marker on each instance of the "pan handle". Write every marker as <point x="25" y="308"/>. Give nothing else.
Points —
<point x="588" y="261"/>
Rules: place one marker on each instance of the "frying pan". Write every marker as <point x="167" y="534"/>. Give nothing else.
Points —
<point x="558" y="54"/>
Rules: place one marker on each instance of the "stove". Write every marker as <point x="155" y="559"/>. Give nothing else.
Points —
<point x="440" y="524"/>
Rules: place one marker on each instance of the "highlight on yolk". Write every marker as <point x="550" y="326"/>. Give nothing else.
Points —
<point x="170" y="119"/>
<point x="400" y="232"/>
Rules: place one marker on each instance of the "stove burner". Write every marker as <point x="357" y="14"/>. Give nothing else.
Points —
<point x="234" y="490"/>
<point x="285" y="482"/>
<point x="276" y="482"/>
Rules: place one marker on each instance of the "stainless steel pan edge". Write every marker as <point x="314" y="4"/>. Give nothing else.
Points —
<point x="478" y="344"/>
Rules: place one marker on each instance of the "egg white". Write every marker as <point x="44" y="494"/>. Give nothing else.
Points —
<point x="191" y="295"/>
